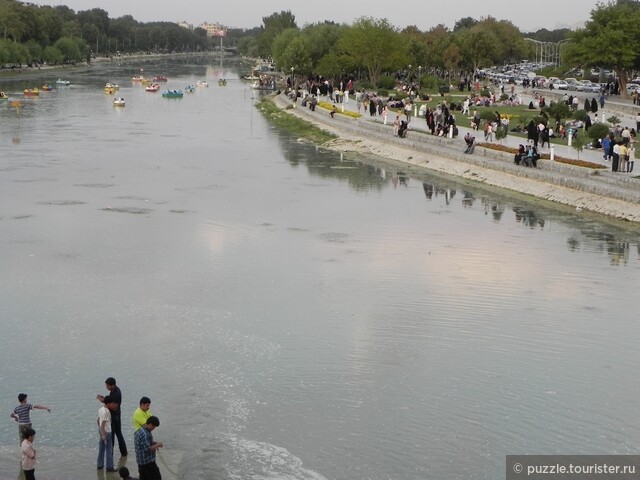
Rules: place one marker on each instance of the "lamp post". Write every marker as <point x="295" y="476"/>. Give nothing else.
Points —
<point x="409" y="76"/>
<point x="293" y="78"/>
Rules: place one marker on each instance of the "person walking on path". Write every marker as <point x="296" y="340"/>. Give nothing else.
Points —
<point x="28" y="462"/>
<point x="21" y="414"/>
<point x="105" y="444"/>
<point x="116" y="420"/>
<point x="146" y="450"/>
<point x="142" y="413"/>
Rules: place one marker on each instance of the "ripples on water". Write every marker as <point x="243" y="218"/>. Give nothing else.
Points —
<point x="295" y="313"/>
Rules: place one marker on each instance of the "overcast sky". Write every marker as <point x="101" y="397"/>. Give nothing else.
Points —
<point x="527" y="15"/>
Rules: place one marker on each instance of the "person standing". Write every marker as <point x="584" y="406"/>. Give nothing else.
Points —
<point x="116" y="420"/>
<point x="146" y="450"/>
<point x="21" y="414"/>
<point x="28" y="462"/>
<point x="142" y="413"/>
<point x="105" y="444"/>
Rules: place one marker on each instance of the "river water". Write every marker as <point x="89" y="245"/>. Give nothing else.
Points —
<point x="293" y="313"/>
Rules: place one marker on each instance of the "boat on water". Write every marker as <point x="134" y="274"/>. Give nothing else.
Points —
<point x="201" y="83"/>
<point x="62" y="82"/>
<point x="137" y="78"/>
<point x="115" y="86"/>
<point x="47" y="88"/>
<point x="118" y="102"/>
<point x="160" y="78"/>
<point x="152" y="88"/>
<point x="4" y="96"/>
<point x="189" y="89"/>
<point x="109" y="90"/>
<point x="222" y="82"/>
<point x="31" y="92"/>
<point x="173" y="93"/>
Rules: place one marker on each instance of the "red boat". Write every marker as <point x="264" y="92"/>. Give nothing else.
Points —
<point x="160" y="78"/>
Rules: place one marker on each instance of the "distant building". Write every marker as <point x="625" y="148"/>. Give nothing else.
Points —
<point x="214" y="29"/>
<point x="185" y="24"/>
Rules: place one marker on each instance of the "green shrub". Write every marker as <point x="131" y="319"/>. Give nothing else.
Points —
<point x="383" y="92"/>
<point x="366" y="85"/>
<point x="386" y="82"/>
<point x="430" y="82"/>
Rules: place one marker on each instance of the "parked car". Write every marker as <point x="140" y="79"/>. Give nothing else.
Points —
<point x="632" y="87"/>
<point x="561" y="85"/>
<point x="549" y="81"/>
<point x="572" y="84"/>
<point x="588" y="86"/>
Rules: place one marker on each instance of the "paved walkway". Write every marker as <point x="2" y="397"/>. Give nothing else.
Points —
<point x="622" y="108"/>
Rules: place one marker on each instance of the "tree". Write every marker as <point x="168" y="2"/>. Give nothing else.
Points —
<point x="52" y="55"/>
<point x="375" y="45"/>
<point x="321" y="39"/>
<point x="273" y="25"/>
<point x="610" y="39"/>
<point x="463" y="23"/>
<point x="557" y="110"/>
<point x="297" y="56"/>
<point x="579" y="142"/>
<point x="71" y="48"/>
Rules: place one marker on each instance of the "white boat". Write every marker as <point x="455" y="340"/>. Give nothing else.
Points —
<point x="62" y="82"/>
<point x="118" y="102"/>
<point x="201" y="83"/>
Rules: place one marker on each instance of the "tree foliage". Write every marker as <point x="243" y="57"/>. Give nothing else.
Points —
<point x="375" y="45"/>
<point x="610" y="39"/>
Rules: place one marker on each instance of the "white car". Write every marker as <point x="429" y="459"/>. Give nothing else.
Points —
<point x="560" y="85"/>
<point x="632" y="87"/>
<point x="588" y="86"/>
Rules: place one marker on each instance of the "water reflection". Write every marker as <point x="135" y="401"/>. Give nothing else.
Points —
<point x="372" y="174"/>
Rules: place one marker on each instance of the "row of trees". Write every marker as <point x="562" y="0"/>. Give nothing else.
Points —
<point x="372" y="47"/>
<point x="32" y="33"/>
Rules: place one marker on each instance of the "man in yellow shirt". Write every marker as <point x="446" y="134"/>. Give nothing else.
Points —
<point x="622" y="151"/>
<point x="142" y="413"/>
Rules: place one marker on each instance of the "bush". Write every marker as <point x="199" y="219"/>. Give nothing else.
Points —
<point x="443" y="89"/>
<point x="366" y="85"/>
<point x="383" y="93"/>
<point x="597" y="131"/>
<point x="430" y="82"/>
<point x="386" y="82"/>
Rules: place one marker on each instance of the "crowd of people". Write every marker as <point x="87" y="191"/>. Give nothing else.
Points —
<point x="109" y="430"/>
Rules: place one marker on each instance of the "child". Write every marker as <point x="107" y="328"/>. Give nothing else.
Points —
<point x="333" y="111"/>
<point x="28" y="454"/>
<point x="21" y="414"/>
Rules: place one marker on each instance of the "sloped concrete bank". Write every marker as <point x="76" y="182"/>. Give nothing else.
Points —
<point x="599" y="191"/>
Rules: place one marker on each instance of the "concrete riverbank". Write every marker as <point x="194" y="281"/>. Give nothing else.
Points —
<point x="596" y="190"/>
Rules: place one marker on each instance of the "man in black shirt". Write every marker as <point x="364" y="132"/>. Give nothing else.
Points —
<point x="116" y="422"/>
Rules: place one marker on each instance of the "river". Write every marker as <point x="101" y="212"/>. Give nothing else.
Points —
<point x="293" y="313"/>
